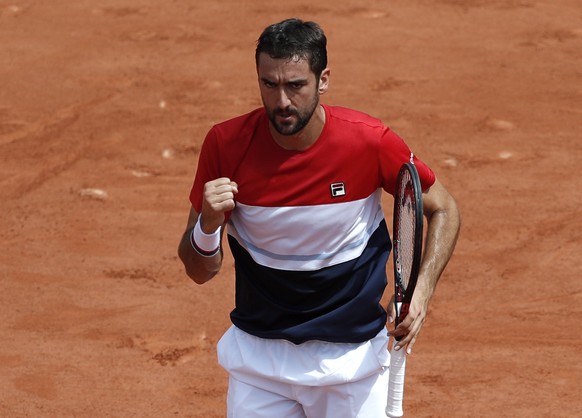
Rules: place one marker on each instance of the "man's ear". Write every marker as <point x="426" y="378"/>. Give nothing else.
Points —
<point x="324" y="81"/>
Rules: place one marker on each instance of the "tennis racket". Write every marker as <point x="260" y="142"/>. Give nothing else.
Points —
<point x="407" y="239"/>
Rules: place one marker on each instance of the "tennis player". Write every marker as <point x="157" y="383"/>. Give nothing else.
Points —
<point x="297" y="186"/>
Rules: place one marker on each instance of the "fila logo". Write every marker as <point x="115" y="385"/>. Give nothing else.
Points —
<point x="337" y="189"/>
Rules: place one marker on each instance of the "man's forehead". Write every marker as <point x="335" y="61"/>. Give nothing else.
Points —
<point x="295" y="64"/>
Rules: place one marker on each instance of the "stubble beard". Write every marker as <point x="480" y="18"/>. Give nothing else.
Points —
<point x="303" y="118"/>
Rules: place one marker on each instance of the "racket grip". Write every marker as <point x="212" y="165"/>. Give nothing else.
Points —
<point x="396" y="383"/>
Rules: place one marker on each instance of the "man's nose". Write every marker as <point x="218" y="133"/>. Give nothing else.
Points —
<point x="283" y="99"/>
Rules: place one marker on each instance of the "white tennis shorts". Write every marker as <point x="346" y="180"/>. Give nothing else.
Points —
<point x="316" y="379"/>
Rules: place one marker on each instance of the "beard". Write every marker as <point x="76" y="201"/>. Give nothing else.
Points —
<point x="300" y="121"/>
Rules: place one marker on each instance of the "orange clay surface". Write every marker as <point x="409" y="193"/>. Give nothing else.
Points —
<point x="104" y="106"/>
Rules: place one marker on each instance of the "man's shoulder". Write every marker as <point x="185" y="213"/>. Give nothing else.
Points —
<point x="347" y="116"/>
<point x="237" y="124"/>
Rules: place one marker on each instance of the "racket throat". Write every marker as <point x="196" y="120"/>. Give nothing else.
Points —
<point x="403" y="311"/>
<point x="398" y="306"/>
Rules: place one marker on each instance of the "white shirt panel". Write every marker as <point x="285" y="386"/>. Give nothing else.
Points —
<point x="303" y="238"/>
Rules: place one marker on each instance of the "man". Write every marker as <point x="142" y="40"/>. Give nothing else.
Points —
<point x="297" y="185"/>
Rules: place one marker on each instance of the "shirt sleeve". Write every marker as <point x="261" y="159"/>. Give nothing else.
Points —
<point x="393" y="153"/>
<point x="207" y="169"/>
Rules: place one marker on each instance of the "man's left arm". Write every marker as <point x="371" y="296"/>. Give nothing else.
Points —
<point x="444" y="222"/>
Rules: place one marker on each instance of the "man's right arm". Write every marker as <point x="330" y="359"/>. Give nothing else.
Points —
<point x="218" y="198"/>
<point x="199" y="268"/>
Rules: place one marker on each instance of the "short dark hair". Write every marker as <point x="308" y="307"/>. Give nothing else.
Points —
<point x="295" y="38"/>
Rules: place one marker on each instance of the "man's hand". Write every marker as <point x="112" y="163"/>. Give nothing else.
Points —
<point x="218" y="199"/>
<point x="409" y="329"/>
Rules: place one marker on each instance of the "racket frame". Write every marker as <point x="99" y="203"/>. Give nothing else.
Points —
<point x="403" y="296"/>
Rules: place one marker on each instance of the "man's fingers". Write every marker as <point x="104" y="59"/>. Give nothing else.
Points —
<point x="218" y="198"/>
<point x="217" y="190"/>
<point x="219" y="194"/>
<point x="402" y="330"/>
<point x="410" y="345"/>
<point x="408" y="331"/>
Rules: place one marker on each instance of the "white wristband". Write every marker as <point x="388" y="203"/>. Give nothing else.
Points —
<point x="205" y="244"/>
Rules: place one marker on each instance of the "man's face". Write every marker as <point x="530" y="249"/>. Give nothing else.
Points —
<point x="289" y="90"/>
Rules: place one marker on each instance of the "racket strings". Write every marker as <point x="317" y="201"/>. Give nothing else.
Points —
<point x="405" y="231"/>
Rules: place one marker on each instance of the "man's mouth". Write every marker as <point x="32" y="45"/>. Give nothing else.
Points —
<point x="285" y="114"/>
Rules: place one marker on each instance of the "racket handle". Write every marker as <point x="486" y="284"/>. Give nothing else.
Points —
<point x="396" y="383"/>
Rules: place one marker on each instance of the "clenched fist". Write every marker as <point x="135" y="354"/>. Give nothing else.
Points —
<point x="218" y="199"/>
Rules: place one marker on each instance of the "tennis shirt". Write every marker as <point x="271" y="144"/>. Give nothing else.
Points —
<point x="308" y="234"/>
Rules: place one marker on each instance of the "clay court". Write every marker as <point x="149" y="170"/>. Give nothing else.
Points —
<point x="104" y="106"/>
